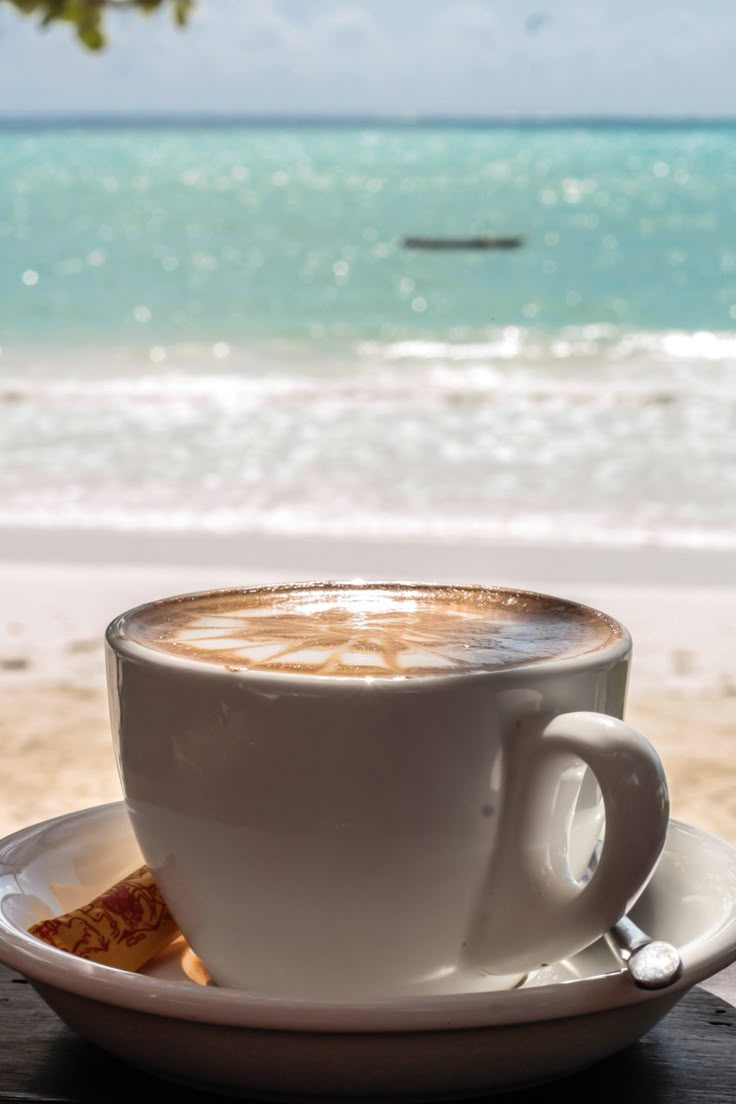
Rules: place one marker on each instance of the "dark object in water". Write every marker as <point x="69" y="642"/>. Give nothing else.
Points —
<point x="511" y="242"/>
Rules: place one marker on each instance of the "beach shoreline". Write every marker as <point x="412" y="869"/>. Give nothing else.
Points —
<point x="59" y="590"/>
<point x="502" y="563"/>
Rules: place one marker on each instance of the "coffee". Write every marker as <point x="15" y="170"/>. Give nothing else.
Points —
<point x="369" y="630"/>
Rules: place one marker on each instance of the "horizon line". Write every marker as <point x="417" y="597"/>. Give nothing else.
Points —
<point x="12" y="120"/>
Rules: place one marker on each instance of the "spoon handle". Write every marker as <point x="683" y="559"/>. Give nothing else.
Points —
<point x="652" y="963"/>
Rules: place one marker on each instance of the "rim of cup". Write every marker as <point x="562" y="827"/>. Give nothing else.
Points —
<point x="612" y="651"/>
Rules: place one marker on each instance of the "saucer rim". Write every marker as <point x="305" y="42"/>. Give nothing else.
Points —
<point x="48" y="966"/>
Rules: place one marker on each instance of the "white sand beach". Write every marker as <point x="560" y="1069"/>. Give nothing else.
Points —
<point x="59" y="590"/>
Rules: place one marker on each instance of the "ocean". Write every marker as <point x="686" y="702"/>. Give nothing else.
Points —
<point x="219" y="328"/>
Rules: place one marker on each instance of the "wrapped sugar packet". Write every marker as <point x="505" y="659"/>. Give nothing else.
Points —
<point x="125" y="926"/>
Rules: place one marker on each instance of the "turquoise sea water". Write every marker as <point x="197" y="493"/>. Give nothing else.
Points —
<point x="219" y="327"/>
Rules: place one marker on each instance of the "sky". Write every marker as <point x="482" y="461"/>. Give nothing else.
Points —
<point x="385" y="57"/>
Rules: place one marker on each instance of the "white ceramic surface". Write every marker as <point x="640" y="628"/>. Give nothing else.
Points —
<point x="442" y="1046"/>
<point x="383" y="833"/>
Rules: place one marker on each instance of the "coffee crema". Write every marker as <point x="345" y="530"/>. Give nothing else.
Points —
<point x="368" y="630"/>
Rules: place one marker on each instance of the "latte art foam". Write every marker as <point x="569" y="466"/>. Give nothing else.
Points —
<point x="372" y="630"/>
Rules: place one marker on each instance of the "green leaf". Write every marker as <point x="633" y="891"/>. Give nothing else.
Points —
<point x="182" y="10"/>
<point x="86" y="15"/>
<point x="92" y="37"/>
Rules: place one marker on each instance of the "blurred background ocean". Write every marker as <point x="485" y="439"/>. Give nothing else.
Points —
<point x="216" y="328"/>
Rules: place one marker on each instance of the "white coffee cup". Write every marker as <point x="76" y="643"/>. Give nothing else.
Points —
<point x="365" y="833"/>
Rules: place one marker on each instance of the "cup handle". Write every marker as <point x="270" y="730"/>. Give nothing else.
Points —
<point x="555" y="915"/>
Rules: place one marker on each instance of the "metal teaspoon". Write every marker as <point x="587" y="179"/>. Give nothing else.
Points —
<point x="652" y="963"/>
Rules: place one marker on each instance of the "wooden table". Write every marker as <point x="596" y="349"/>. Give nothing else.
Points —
<point x="689" y="1058"/>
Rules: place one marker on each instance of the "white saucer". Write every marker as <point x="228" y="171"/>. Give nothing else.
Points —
<point x="450" y="1045"/>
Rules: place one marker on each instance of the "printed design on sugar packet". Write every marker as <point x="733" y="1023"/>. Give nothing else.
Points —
<point x="124" y="927"/>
